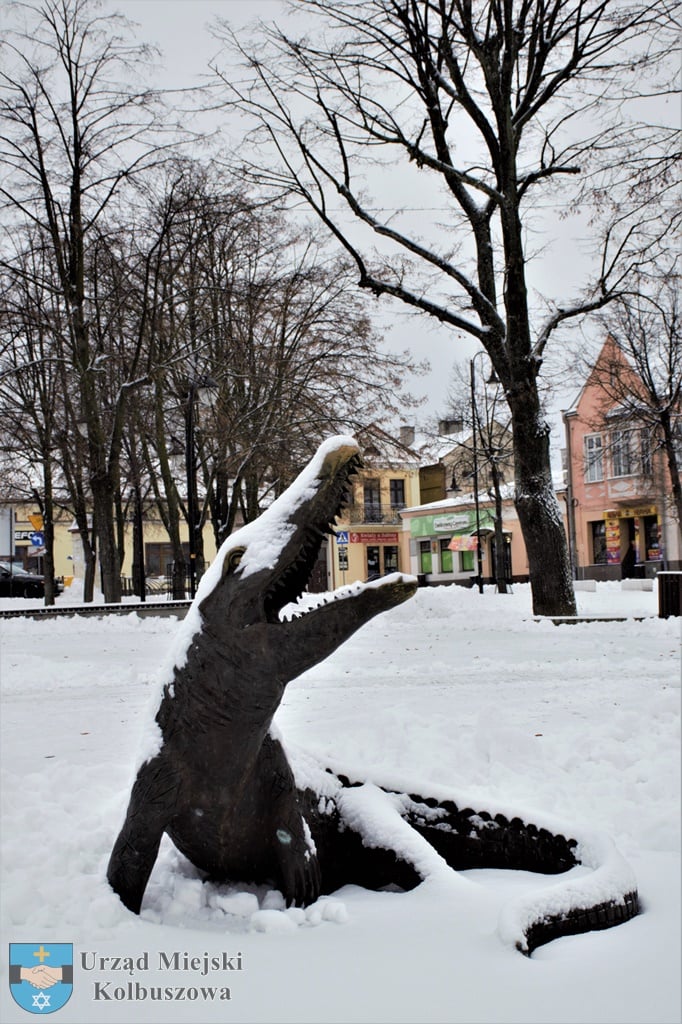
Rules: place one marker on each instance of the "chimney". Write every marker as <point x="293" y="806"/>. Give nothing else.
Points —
<point x="450" y="426"/>
<point x="407" y="435"/>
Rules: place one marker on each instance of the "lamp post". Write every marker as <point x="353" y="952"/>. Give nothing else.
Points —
<point x="474" y="428"/>
<point x="490" y="455"/>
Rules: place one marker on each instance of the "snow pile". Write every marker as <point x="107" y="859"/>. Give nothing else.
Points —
<point x="454" y="694"/>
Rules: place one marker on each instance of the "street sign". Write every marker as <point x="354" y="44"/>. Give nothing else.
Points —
<point x="343" y="559"/>
<point x="342" y="537"/>
<point x="37" y="539"/>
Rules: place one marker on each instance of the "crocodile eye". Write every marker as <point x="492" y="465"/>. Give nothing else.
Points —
<point x="233" y="559"/>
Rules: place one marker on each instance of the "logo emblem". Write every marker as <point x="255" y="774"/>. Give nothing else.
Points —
<point x="41" y="975"/>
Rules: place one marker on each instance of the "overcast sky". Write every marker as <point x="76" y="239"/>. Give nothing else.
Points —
<point x="180" y="28"/>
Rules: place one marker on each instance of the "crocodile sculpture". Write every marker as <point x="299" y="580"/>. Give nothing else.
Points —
<point x="216" y="779"/>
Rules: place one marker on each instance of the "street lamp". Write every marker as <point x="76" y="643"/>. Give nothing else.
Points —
<point x="479" y="556"/>
<point x="474" y="430"/>
<point x="205" y="386"/>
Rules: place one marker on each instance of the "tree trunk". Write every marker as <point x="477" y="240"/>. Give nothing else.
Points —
<point x="103" y="501"/>
<point x="139" y="572"/>
<point x="538" y="510"/>
<point x="179" y="575"/>
<point x="89" y="566"/>
<point x="46" y="506"/>
<point x="120" y="525"/>
<point x="500" y="560"/>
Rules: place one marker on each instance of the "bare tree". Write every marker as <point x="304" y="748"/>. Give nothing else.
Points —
<point x="29" y="398"/>
<point x="261" y="311"/>
<point x="295" y="358"/>
<point x="38" y="410"/>
<point x="433" y="128"/>
<point x="75" y="129"/>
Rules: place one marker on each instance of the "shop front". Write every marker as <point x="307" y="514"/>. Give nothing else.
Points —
<point x="364" y="555"/>
<point x="630" y="541"/>
<point x="379" y="552"/>
<point x="443" y="545"/>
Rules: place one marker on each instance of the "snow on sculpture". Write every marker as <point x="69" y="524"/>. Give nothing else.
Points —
<point x="215" y="777"/>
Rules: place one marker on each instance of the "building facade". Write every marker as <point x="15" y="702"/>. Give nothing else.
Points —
<point x="621" y="522"/>
<point x="22" y="538"/>
<point x="443" y="540"/>
<point x="370" y="539"/>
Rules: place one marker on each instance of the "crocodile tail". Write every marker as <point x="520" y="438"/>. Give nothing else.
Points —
<point x="372" y="835"/>
<point x="603" y="896"/>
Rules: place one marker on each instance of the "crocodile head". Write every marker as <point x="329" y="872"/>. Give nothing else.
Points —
<point x="266" y="566"/>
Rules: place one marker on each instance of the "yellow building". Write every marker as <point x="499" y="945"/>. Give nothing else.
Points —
<point x="21" y="525"/>
<point x="371" y="539"/>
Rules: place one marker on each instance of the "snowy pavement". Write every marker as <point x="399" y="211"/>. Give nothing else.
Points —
<point x="580" y="722"/>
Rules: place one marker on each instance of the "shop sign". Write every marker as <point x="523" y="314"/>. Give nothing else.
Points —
<point x="637" y="512"/>
<point x="374" y="538"/>
<point x="450" y="522"/>
<point x="613" y="540"/>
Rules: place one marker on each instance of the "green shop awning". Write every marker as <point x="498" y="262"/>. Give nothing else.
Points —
<point x="451" y="523"/>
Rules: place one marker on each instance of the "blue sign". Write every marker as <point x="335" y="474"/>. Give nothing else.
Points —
<point x="37" y="539"/>
<point x="41" y="975"/>
<point x="342" y="537"/>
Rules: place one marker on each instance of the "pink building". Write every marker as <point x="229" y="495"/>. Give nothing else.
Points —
<point x="618" y="484"/>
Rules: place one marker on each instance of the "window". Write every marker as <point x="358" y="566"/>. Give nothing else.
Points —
<point x="372" y="500"/>
<point x="623" y="452"/>
<point x="594" y="458"/>
<point x="425" y="556"/>
<point x="159" y="557"/>
<point x="397" y="492"/>
<point x="445" y="557"/>
<point x="467" y="561"/>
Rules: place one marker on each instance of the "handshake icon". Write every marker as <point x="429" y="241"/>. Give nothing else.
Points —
<point x="42" y="976"/>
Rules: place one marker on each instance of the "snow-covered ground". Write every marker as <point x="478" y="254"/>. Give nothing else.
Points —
<point x="577" y="721"/>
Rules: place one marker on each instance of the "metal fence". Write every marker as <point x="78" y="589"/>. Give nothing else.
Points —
<point x="172" y="586"/>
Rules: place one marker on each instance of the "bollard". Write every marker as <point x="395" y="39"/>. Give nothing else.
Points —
<point x="669" y="594"/>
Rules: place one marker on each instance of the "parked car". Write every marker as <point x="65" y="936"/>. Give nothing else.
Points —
<point x="16" y="582"/>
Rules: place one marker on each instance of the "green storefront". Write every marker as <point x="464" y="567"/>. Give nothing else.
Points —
<point x="447" y="536"/>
